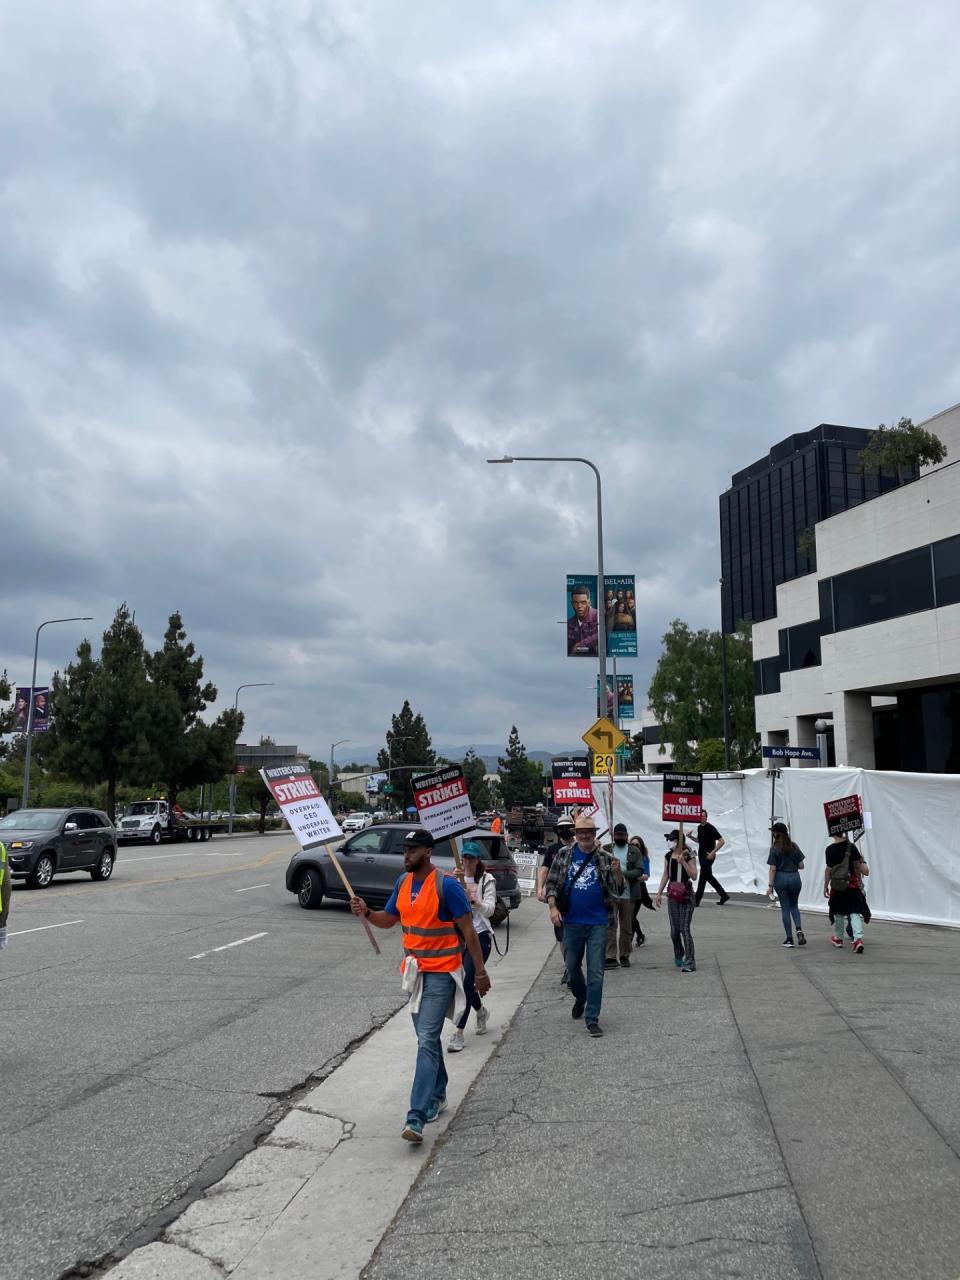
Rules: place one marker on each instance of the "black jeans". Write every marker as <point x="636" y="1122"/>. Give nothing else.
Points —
<point x="707" y="877"/>
<point x="469" y="975"/>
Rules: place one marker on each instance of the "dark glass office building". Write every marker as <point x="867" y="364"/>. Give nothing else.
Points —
<point x="771" y="505"/>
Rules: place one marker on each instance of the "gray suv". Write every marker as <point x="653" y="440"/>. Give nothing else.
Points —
<point x="42" y="843"/>
<point x="373" y="860"/>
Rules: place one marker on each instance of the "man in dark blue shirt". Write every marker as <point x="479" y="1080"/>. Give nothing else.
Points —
<point x="589" y="881"/>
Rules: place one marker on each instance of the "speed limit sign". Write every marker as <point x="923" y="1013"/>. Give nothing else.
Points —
<point x="604" y="763"/>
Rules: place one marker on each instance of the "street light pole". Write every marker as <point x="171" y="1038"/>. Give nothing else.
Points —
<point x="258" y="684"/>
<point x="601" y="615"/>
<point x="50" y="622"/>
<point x="333" y="747"/>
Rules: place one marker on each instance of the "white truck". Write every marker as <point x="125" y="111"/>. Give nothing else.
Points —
<point x="156" y="820"/>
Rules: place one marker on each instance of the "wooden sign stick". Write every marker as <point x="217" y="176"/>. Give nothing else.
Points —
<point x="455" y="846"/>
<point x="349" y="888"/>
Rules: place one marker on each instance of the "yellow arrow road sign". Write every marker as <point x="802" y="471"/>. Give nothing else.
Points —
<point x="604" y="736"/>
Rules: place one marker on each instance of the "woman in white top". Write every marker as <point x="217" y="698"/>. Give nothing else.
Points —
<point x="482" y="889"/>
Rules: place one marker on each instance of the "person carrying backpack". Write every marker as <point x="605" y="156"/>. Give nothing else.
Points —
<point x="482" y="892"/>
<point x="842" y="881"/>
<point x="785" y="863"/>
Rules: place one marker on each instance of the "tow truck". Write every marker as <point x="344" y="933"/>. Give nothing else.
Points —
<point x="154" y="820"/>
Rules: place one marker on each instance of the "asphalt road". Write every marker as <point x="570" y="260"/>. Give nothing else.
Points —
<point x="151" y="1025"/>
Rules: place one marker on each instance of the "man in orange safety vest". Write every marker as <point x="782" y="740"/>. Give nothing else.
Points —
<point x="434" y="914"/>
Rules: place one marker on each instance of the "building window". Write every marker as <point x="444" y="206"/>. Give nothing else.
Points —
<point x="825" y="590"/>
<point x="803" y="646"/>
<point x="652" y="735"/>
<point x="886" y="589"/>
<point x="766" y="676"/>
<point x="946" y="564"/>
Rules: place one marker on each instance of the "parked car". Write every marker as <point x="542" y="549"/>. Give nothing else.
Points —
<point x="357" y="822"/>
<point x="373" y="859"/>
<point x="42" y="843"/>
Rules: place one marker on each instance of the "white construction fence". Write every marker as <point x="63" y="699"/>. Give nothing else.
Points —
<point x="912" y="820"/>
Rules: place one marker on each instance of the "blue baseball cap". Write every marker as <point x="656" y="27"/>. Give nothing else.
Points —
<point x="472" y="849"/>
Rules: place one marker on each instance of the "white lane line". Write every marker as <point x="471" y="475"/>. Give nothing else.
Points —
<point x="239" y="943"/>
<point x="252" y="886"/>
<point x="152" y="857"/>
<point x="40" y="928"/>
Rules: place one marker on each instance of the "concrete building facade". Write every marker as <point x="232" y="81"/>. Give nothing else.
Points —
<point x="870" y="639"/>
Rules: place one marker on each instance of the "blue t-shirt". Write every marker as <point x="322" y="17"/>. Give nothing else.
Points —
<point x="453" y="904"/>
<point x="586" y="896"/>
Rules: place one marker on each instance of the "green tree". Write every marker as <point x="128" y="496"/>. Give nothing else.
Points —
<point x="474" y="771"/>
<point x="408" y="744"/>
<point x="709" y="755"/>
<point x="253" y="794"/>
<point x="901" y="448"/>
<point x="686" y="693"/>
<point x="188" y="751"/>
<point x="521" y="779"/>
<point x="634" y="761"/>
<point x="101" y="709"/>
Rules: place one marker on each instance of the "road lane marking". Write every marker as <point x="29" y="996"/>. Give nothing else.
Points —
<point x="252" y="886"/>
<point x="40" y="928"/>
<point x="226" y="947"/>
<point x="124" y="885"/>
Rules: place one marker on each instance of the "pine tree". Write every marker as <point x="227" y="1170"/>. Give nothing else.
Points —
<point x="101" y="712"/>
<point x="521" y="779"/>
<point x="408" y="744"/>
<point x="474" y="771"/>
<point x="188" y="751"/>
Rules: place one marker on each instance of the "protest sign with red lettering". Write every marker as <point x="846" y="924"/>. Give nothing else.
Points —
<point x="443" y="802"/>
<point x="843" y="815"/>
<point x="571" y="780"/>
<point x="295" y="791"/>
<point x="682" y="797"/>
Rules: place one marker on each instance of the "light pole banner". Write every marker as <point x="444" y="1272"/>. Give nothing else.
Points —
<point x="624" y="695"/>
<point x="41" y="710"/>
<point x="583" y="622"/>
<point x="620" y="614"/>
<point x="296" y="792"/>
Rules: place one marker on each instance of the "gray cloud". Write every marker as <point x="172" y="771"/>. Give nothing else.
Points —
<point x="279" y="276"/>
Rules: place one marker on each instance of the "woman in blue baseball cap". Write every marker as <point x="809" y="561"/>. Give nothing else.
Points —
<point x="482" y="891"/>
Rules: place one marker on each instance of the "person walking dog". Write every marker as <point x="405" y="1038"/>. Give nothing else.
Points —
<point x="785" y="863"/>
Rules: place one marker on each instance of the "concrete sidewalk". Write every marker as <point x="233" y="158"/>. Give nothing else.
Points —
<point x="314" y="1199"/>
<point x="777" y="1114"/>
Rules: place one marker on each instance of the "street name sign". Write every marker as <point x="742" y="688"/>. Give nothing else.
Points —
<point x="604" y="736"/>
<point x="843" y="815"/>
<point x="296" y="792"/>
<point x="571" y="780"/>
<point x="443" y="802"/>
<point x="682" y="797"/>
<point x="791" y="753"/>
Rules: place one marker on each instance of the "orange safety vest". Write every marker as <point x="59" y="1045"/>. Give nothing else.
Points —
<point x="496" y="826"/>
<point x="434" y="942"/>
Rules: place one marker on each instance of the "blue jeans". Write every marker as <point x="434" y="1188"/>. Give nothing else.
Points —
<point x="786" y="885"/>
<point x="592" y="939"/>
<point x="430" y="1076"/>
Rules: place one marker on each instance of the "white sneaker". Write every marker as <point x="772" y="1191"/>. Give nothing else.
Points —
<point x="482" y="1016"/>
<point x="455" y="1043"/>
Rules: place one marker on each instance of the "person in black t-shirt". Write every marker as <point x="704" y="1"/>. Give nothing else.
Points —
<point x="709" y="842"/>
<point x="845" y="891"/>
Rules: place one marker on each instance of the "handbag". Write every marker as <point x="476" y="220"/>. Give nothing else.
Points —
<point x="562" y="896"/>
<point x="677" y="891"/>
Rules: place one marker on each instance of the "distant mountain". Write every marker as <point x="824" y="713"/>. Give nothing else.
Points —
<point x="487" y="752"/>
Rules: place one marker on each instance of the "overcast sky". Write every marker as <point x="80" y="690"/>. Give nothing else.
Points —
<point x="277" y="276"/>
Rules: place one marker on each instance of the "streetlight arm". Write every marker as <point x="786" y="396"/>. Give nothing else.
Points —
<point x="28" y="752"/>
<point x="601" y="615"/>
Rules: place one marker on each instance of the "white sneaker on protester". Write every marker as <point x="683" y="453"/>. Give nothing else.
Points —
<point x="455" y="1043"/>
<point x="482" y="1016"/>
